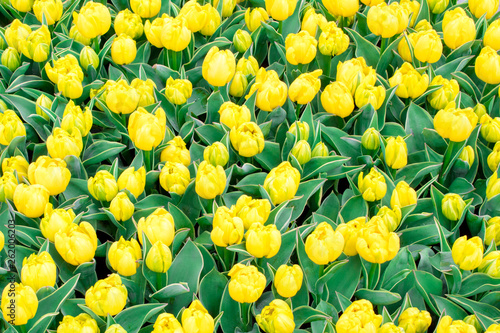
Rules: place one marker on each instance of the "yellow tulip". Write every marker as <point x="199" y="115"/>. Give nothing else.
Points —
<point x="216" y="154"/>
<point x="444" y="95"/>
<point x="70" y="86"/>
<point x="195" y="15"/>
<point x="403" y="195"/>
<point x="88" y="57"/>
<point x="122" y="98"/>
<point x="438" y="6"/>
<point x="271" y="92"/>
<point x="8" y="184"/>
<point x="458" y="28"/>
<point x="11" y="59"/>
<point x="227" y="227"/>
<point x="233" y="115"/>
<point x="305" y="87"/>
<point x="369" y="94"/>
<point x="383" y="20"/>
<point x="16" y="33"/>
<point x="359" y="317"/>
<point x="176" y="151"/>
<point x="467" y="253"/>
<point x="133" y="180"/>
<point x="81" y="323"/>
<point x="167" y="323"/>
<point x="376" y="244"/>
<point x="227" y="7"/>
<point x="159" y="258"/>
<point x="414" y="320"/>
<point x="494" y="157"/>
<point x="248" y="66"/>
<point x="396" y="152"/>
<point x="51" y="9"/>
<point x="30" y="200"/>
<point x="196" y="319"/>
<point x="123" y="256"/>
<point x="389" y="328"/>
<point x="174" y="177"/>
<point x="16" y="163"/>
<point x="253" y="17"/>
<point x="238" y="85"/>
<point x="78" y="37"/>
<point x="76" y="243"/>
<point x="52" y="173"/>
<point x="128" y="23"/>
<point x="123" y="49"/>
<point x="488" y="66"/>
<point x="263" y="241"/>
<point x="10" y="127"/>
<point x="491" y="264"/>
<point x="372" y="186"/>
<point x="103" y="186"/>
<point x="452" y="206"/>
<point x="332" y="41"/>
<point x="280" y="10"/>
<point x="300" y="48"/>
<point x="93" y="20"/>
<point x="178" y="91"/>
<point x="312" y="20"/>
<point x="288" y="280"/>
<point x="390" y="217"/>
<point x="73" y="116"/>
<point x="492" y="35"/>
<point x="158" y="226"/>
<point x="22" y="6"/>
<point x="344" y="8"/>
<point x="350" y="232"/>
<point x="62" y="67"/>
<point x="371" y="139"/>
<point x="247" y="139"/>
<point x="210" y="180"/>
<point x="303" y="130"/>
<point x="480" y="7"/>
<point x="107" y="296"/>
<point x="121" y="207"/>
<point x="19" y="303"/>
<point x="153" y="30"/>
<point x="410" y="83"/>
<point x="455" y="124"/>
<point x="490" y="128"/>
<point x="242" y="40"/>
<point x="324" y="244"/>
<point x="37" y="45"/>
<point x="337" y="99"/>
<point x="277" y="317"/>
<point x="448" y="325"/>
<point x="252" y="210"/>
<point x="282" y="183"/>
<point x="146" y="91"/>
<point x="213" y="20"/>
<point x="353" y="72"/>
<point x="413" y="8"/>
<point x="146" y="8"/>
<point x="55" y="220"/>
<point x="246" y="284"/>
<point x="39" y="270"/>
<point x="492" y="188"/>
<point x="218" y="67"/>
<point x="115" y="328"/>
<point x="147" y="130"/>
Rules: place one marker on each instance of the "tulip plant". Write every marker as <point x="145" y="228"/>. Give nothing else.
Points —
<point x="277" y="166"/>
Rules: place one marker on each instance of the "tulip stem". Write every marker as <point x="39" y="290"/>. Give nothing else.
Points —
<point x="124" y="120"/>
<point x="297" y="111"/>
<point x="245" y="310"/>
<point x="159" y="282"/>
<point x="216" y="89"/>
<point x="280" y="27"/>
<point x="23" y="328"/>
<point x="147" y="160"/>
<point x="383" y="45"/>
<point x="321" y="268"/>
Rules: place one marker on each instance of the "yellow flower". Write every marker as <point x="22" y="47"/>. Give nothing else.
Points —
<point x="472" y="320"/>
<point x="233" y="115"/>
<point x="404" y="47"/>
<point x="62" y="143"/>
<point x="413" y="8"/>
<point x="22" y="6"/>
<point x="494" y="157"/>
<point x="409" y="81"/>
<point x="455" y="124"/>
<point x="167" y="323"/>
<point x="302" y="151"/>
<point x="324" y="244"/>
<point x="76" y="243"/>
<point x="252" y="210"/>
<point x="280" y="10"/>
<point x="218" y="67"/>
<point x="383" y="20"/>
<point x="288" y="280"/>
<point x="312" y="20"/>
<point x="93" y="20"/>
<point x="62" y="67"/>
<point x="37" y="45"/>
<point x="115" y="328"/>
<point x="247" y="139"/>
<point x="353" y="72"/>
<point x="458" y="28"/>
<point x="73" y="116"/>
<point x="227" y="7"/>
<point x="70" y="86"/>
<point x="55" y="220"/>
<point x="305" y="87"/>
<point x="39" y="270"/>
<point x="390" y="217"/>
<point x="448" y="325"/>
<point x="371" y="139"/>
<point x="123" y="49"/>
<point x="271" y="92"/>
<point x="194" y="14"/>
<point x="414" y="320"/>
<point x="121" y="207"/>
<point x="490" y="128"/>
<point x="213" y="20"/>
<point x="16" y="163"/>
<point x="303" y="130"/>
<point x="210" y="180"/>
<point x="350" y="232"/>
<point x="428" y="46"/>
<point x="178" y="91"/>
<point x="216" y="154"/>
<point x="51" y="9"/>
<point x="146" y="8"/>
<point x="242" y="40"/>
<point x="19" y="303"/>
<point x="277" y="317"/>
<point x="332" y="41"/>
<point x="246" y="284"/>
<point x="121" y="98"/>
<point x="467" y="253"/>
<point x="158" y="226"/>
<point x="238" y="85"/>
<point x="81" y="323"/>
<point x="227" y="227"/>
<point x="359" y="317"/>
<point x="396" y="152"/>
<point x="438" y="6"/>
<point x="176" y="151"/>
<point x="389" y="328"/>
<point x="123" y="256"/>
<point x="88" y="57"/>
<point x="146" y="91"/>
<point x="8" y="184"/>
<point x="344" y="8"/>
<point x="107" y="296"/>
<point x="487" y="66"/>
<point x="480" y="7"/>
<point x="11" y="59"/>
<point x="452" y="206"/>
<point x="174" y="177"/>
<point x="2" y="241"/>
<point x="16" y="33"/>
<point x="337" y="99"/>
<point x="133" y="180"/>
<point x="248" y="66"/>
<point x="52" y="173"/>
<point x="492" y="35"/>
<point x="103" y="186"/>
<point x="154" y="30"/>
<point x="403" y="195"/>
<point x="128" y="23"/>
<point x="373" y="186"/>
<point x="376" y="244"/>
<point x="444" y="95"/>
<point x="491" y="264"/>
<point x="10" y="127"/>
<point x="493" y="328"/>
<point x="30" y="200"/>
<point x="300" y="48"/>
<point x="282" y="182"/>
<point x="263" y="241"/>
<point x="492" y="188"/>
<point x="369" y="94"/>
<point x="147" y="130"/>
<point x="196" y="319"/>
<point x="159" y="258"/>
<point x="253" y="17"/>
<point x="371" y="3"/>
<point x="77" y="36"/>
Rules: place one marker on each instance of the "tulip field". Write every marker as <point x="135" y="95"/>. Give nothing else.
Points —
<point x="277" y="166"/>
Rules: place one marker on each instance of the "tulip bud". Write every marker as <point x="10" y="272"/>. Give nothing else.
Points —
<point x="247" y="139"/>
<point x="88" y="57"/>
<point x="242" y="40"/>
<point x="312" y="20"/>
<point x="372" y="186"/>
<point x="55" y="220"/>
<point x="411" y="84"/>
<point x="404" y="46"/>
<point x="493" y="328"/>
<point x="492" y="231"/>
<point x="93" y="20"/>
<point x="159" y="258"/>
<point x="178" y="91"/>
<point x="30" y="200"/>
<point x="44" y="101"/>
<point x="123" y="256"/>
<point x="64" y="66"/>
<point x="74" y="117"/>
<point x="491" y="264"/>
<point x="253" y="18"/>
<point x="216" y="154"/>
<point x="195" y="15"/>
<point x="444" y="95"/>
<point x="368" y="94"/>
<point x="452" y="206"/>
<point x="115" y="328"/>
<point x="8" y="184"/>
<point x="324" y="245"/>
<point x="350" y="232"/>
<point x="51" y="9"/>
<point x="77" y="243"/>
<point x="467" y="253"/>
<point x="3" y="44"/>
<point x="414" y="320"/>
<point x="210" y="180"/>
<point x="271" y="92"/>
<point x="337" y="99"/>
<point x="276" y="317"/>
<point x="153" y="30"/>
<point x="166" y="322"/>
<point x="174" y="177"/>
<point x="300" y="48"/>
<point x="238" y="85"/>
<point x="233" y="115"/>
<point x="70" y="86"/>
<point x="343" y="8"/>
<point x="288" y="280"/>
<point x="282" y="182"/>
<point x="302" y="152"/>
<point x="81" y="323"/>
<point x="320" y="150"/>
<point x="107" y="296"/>
<point x="354" y="72"/>
<point x="128" y="23"/>
<point x="396" y="152"/>
<point x="132" y="180"/>
<point x="492" y="35"/>
<point x="488" y="65"/>
<point x="252" y="210"/>
<point x="121" y="207"/>
<point x="16" y="163"/>
<point x="196" y="319"/>
<point x="103" y="186"/>
<point x="390" y="217"/>
<point x="455" y="124"/>
<point x="467" y="155"/>
<point x="3" y="106"/>
<point x="448" y="325"/>
<point x="22" y="299"/>
<point x="227" y="7"/>
<point x="376" y="243"/>
<point x="147" y="130"/>
<point x="248" y="66"/>
<point x="403" y="195"/>
<point x="494" y="157"/>
<point x="16" y="33"/>
<point x="61" y="143"/>
<point x="52" y="173"/>
<point x="227" y="227"/>
<point x="472" y="320"/>
<point x="218" y="67"/>
<point x="280" y="10"/>
<point x="358" y="316"/>
<point x="438" y="6"/>
<point x="458" y="28"/>
<point x="10" y="127"/>
<point x="39" y="270"/>
<point x="176" y="151"/>
<point x="11" y="59"/>
<point x="22" y="6"/>
<point x="246" y="284"/>
<point x="383" y="20"/>
<point x="123" y="49"/>
<point x="263" y="241"/>
<point x="77" y="36"/>
<point x="305" y="87"/>
<point x="159" y="226"/>
<point x="332" y="41"/>
<point x="371" y="139"/>
<point x="492" y="187"/>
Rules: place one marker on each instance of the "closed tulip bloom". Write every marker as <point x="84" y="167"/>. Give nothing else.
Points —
<point x="448" y="325"/>
<point x="252" y="210"/>
<point x="115" y="328"/>
<point x="438" y="6"/>
<point x="404" y="48"/>
<point x="123" y="49"/>
<point x="128" y="23"/>
<point x="218" y="67"/>
<point x="413" y="8"/>
<point x="70" y="86"/>
<point x="246" y="284"/>
<point x="253" y="17"/>
<point x="458" y="28"/>
<point x="159" y="258"/>
<point x="271" y="91"/>
<point x="305" y="87"/>
<point x="371" y="3"/>
<point x="490" y="128"/>
<point x="51" y="9"/>
<point x="487" y="66"/>
<point x="372" y="186"/>
<point x="492" y="35"/>
<point x="55" y="220"/>
<point x="383" y="20"/>
<point x="412" y="320"/>
<point x="195" y="15"/>
<point x="121" y="207"/>
<point x="133" y="180"/>
<point x="369" y="94"/>
<point x="145" y="90"/>
<point x="153" y="30"/>
<point x="159" y="226"/>
<point x="494" y="157"/>
<point x="277" y="317"/>
<point x="324" y="244"/>
<point x="411" y="84"/>
<point x="77" y="36"/>
<point x="16" y="33"/>
<point x="337" y="99"/>
<point x="81" y="323"/>
<point x="103" y="186"/>
<point x="389" y="328"/>
<point x="11" y="59"/>
<point x="282" y="183"/>
<point x="210" y="180"/>
<point x="212" y="22"/>
<point x="196" y="319"/>
<point x="396" y="152"/>
<point x="216" y="154"/>
<point x="146" y="8"/>
<point x="428" y="46"/>
<point x="280" y="10"/>
<point x="303" y="130"/>
<point x="302" y="151"/>
<point x="263" y="241"/>
<point x="344" y="8"/>
<point x="248" y="66"/>
<point x="455" y="124"/>
<point x="390" y="217"/>
<point x="174" y="177"/>
<point x="403" y="195"/>
<point x="39" y="270"/>
<point x="238" y="85"/>
<point x="62" y="143"/>
<point x="22" y="6"/>
<point x="167" y="323"/>
<point x="147" y="130"/>
<point x="227" y="227"/>
<point x="288" y="280"/>
<point x="493" y="328"/>
<point x="452" y="206"/>
<point x="403" y="15"/>
<point x="123" y="256"/>
<point x="30" y="200"/>
<point x="467" y="253"/>
<point x="371" y="139"/>
<point x="122" y="98"/>
<point x="492" y="188"/>
<point x="52" y="173"/>
<point x="44" y="101"/>
<point x="77" y="243"/>
<point x="444" y="95"/>
<point x="16" y="163"/>
<point x="22" y="299"/>
<point x="491" y="264"/>
<point x="480" y="7"/>
<point x="8" y="184"/>
<point x="312" y="20"/>
<point x="332" y="41"/>
<point x="233" y="115"/>
<point x="176" y="151"/>
<point x="73" y="116"/>
<point x="10" y="127"/>
<point x="359" y="316"/>
<point x="88" y="57"/>
<point x="178" y="91"/>
<point x="376" y="244"/>
<point x="247" y="139"/>
<point x="107" y="296"/>
<point x="300" y="48"/>
<point x="37" y="45"/>
<point x="62" y="67"/>
<point x="93" y="20"/>
<point x="353" y="72"/>
<point x="350" y="232"/>
<point x="227" y="7"/>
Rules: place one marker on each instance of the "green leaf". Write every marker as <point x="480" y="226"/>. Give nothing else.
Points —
<point x="101" y="150"/>
<point x="364" y="48"/>
<point x="132" y="318"/>
<point x="378" y="297"/>
<point x="211" y="291"/>
<point x="477" y="283"/>
<point x="306" y="314"/>
<point x="171" y="291"/>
